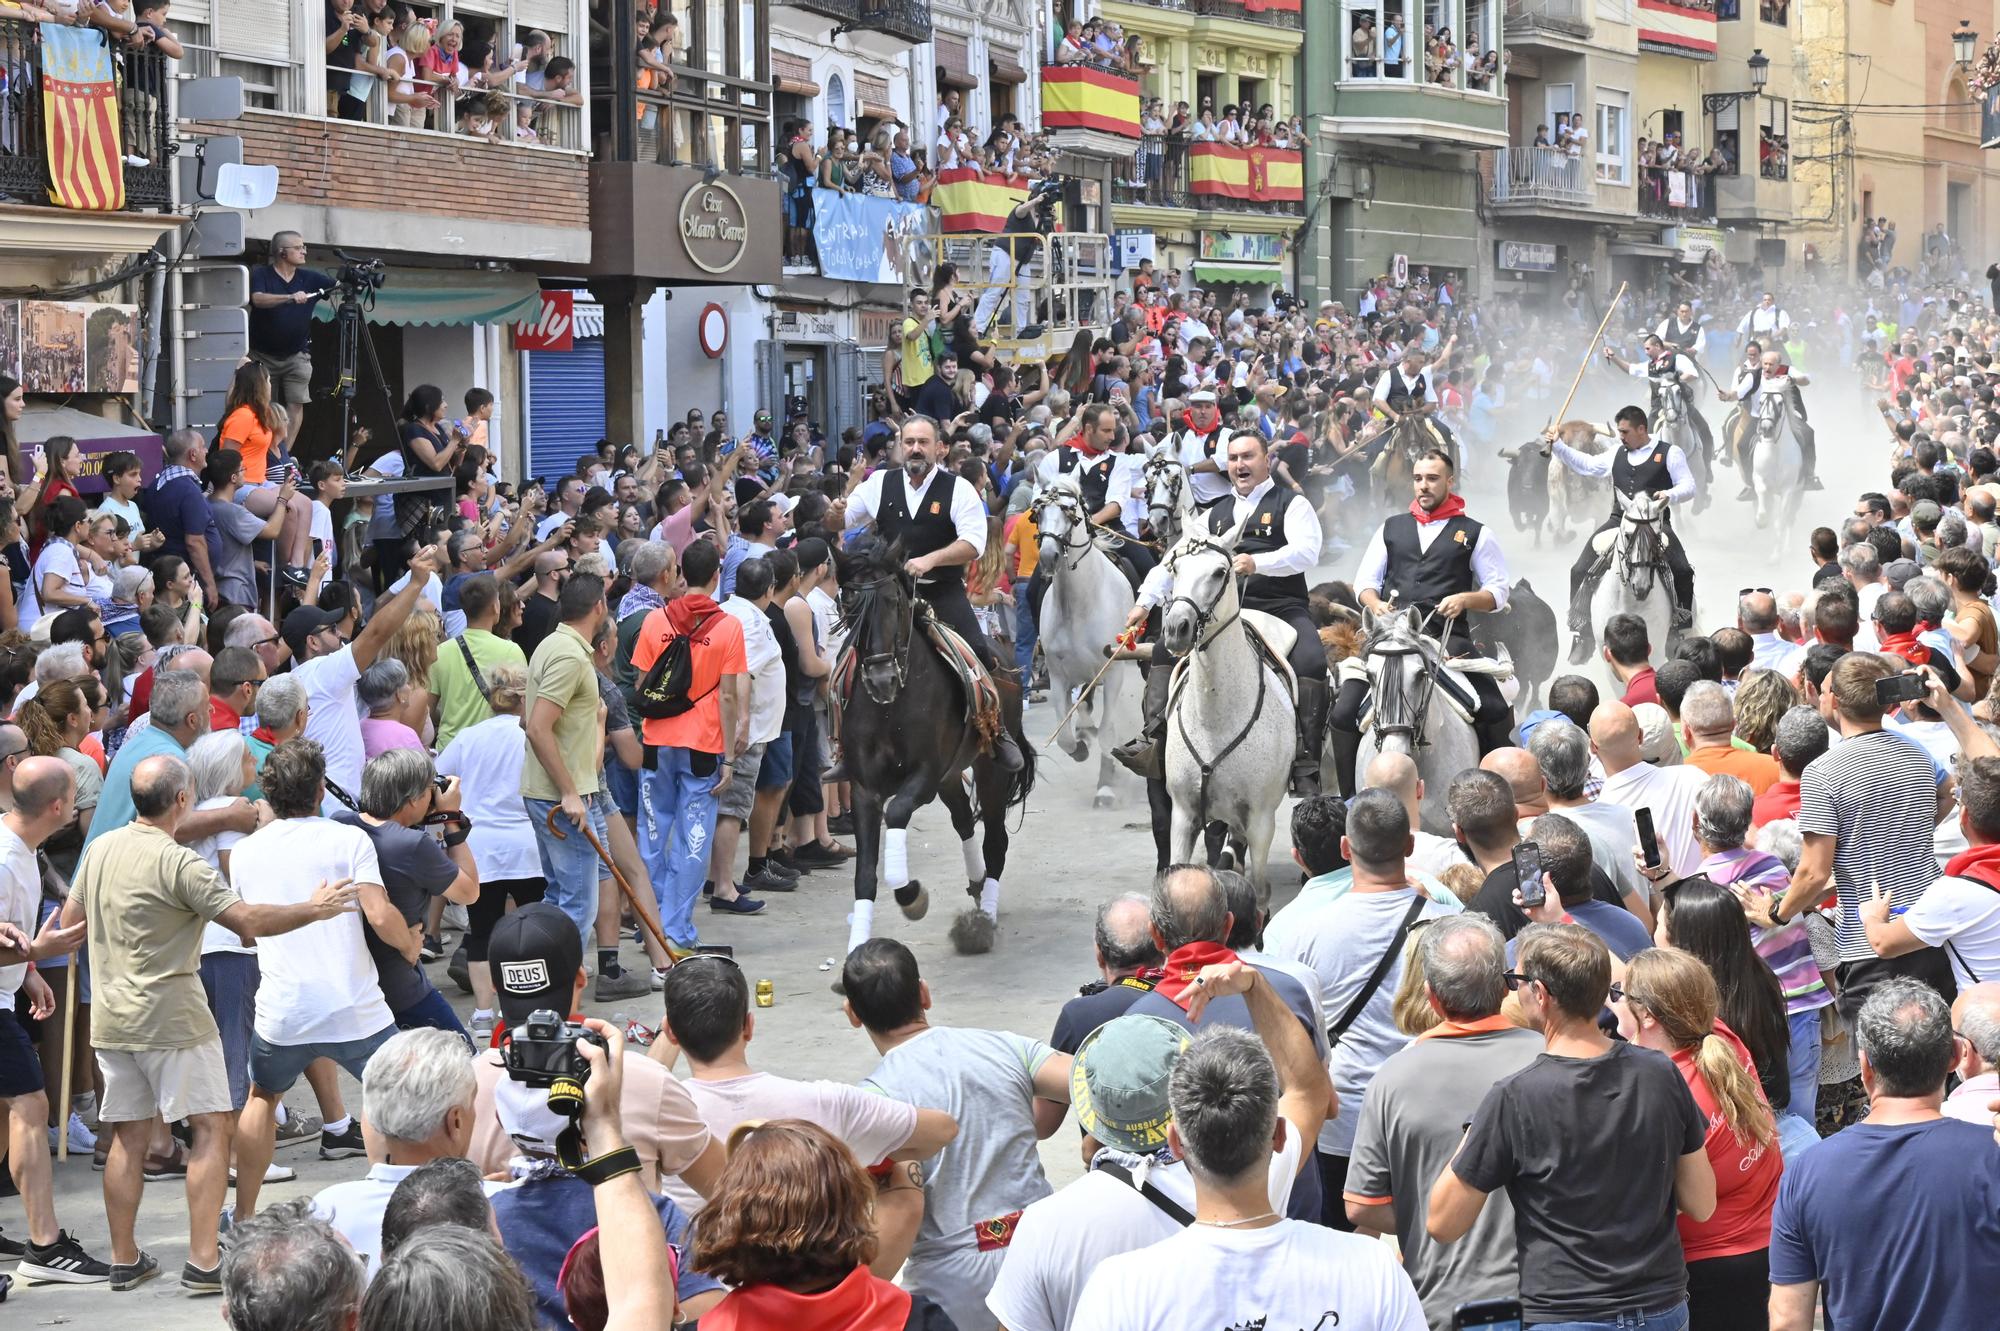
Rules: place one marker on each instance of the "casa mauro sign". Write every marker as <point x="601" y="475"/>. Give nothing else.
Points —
<point x="714" y="226"/>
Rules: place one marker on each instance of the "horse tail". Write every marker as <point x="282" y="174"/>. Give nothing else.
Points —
<point x="1022" y="783"/>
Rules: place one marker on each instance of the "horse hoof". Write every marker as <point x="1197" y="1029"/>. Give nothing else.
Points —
<point x="1104" y="799"/>
<point x="1081" y="753"/>
<point x="973" y="932"/>
<point x="913" y="900"/>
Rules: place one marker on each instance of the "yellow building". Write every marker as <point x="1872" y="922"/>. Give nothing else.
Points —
<point x="1214" y="53"/>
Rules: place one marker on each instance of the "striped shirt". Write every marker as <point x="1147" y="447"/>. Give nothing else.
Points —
<point x="1876" y="795"/>
<point x="1786" y="949"/>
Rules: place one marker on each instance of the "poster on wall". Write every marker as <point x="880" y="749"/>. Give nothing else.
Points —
<point x="10" y="339"/>
<point x="112" y="348"/>
<point x="862" y="238"/>
<point x="53" y="347"/>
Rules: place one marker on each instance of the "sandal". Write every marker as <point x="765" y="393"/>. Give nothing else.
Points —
<point x="173" y="1167"/>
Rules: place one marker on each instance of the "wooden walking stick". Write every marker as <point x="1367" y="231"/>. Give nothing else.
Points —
<point x="1112" y="656"/>
<point x="646" y="921"/>
<point x="69" y="1048"/>
<point x="1588" y="352"/>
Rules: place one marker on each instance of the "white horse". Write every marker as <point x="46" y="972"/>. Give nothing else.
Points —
<point x="1673" y="423"/>
<point x="1778" y="464"/>
<point x="1230" y="721"/>
<point x="1084" y="609"/>
<point x="1408" y="717"/>
<point x="1638" y="581"/>
<point x="1170" y="509"/>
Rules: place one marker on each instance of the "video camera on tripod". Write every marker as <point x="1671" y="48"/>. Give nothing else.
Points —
<point x="359" y="277"/>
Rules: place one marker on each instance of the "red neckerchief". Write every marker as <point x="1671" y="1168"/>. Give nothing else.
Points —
<point x="1207" y="429"/>
<point x="1906" y="646"/>
<point x="264" y="734"/>
<point x="862" y="1302"/>
<point x="1082" y="445"/>
<point x="689" y="608"/>
<point x="1184" y="964"/>
<point x="1453" y="506"/>
<point x="1981" y="864"/>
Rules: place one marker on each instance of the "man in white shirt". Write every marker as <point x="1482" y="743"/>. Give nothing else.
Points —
<point x="766" y="722"/>
<point x="1241" y="1263"/>
<point x="1629" y="780"/>
<point x="1671" y="373"/>
<point x="1769" y="377"/>
<point x="1975" y="1016"/>
<point x="1757" y="615"/>
<point x="1768" y="320"/>
<point x="1197" y="447"/>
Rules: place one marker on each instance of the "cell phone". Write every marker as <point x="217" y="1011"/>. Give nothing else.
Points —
<point x="1487" y="1315"/>
<point x="1649" y="840"/>
<point x="1893" y="690"/>
<point x="1528" y="873"/>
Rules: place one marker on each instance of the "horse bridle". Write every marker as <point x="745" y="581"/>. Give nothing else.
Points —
<point x="1411" y="644"/>
<point x="1206" y="626"/>
<point x="1164" y="465"/>
<point x="1657" y="558"/>
<point x="898" y="655"/>
<point x="1070" y="505"/>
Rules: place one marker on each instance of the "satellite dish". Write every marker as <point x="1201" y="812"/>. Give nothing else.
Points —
<point x="246" y="187"/>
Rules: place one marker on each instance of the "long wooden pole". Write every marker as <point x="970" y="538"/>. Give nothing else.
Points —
<point x="1588" y="352"/>
<point x="68" y="1051"/>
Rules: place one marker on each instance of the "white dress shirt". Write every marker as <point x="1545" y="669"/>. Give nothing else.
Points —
<point x="1299" y="554"/>
<point x="1763" y="319"/>
<point x="1394" y="373"/>
<point x="1206" y="486"/>
<point x="967" y="515"/>
<point x="1643" y="369"/>
<point x="1125" y="486"/>
<point x="1489" y="565"/>
<point x="1677" y="466"/>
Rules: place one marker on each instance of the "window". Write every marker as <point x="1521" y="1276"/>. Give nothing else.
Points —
<point x="836" y="101"/>
<point x="1614" y="127"/>
<point x="1728" y="11"/>
<point x="1723" y="132"/>
<point x="1775" y="11"/>
<point x="1774" y="138"/>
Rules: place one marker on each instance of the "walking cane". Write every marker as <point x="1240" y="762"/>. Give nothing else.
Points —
<point x="69" y="1048"/>
<point x="631" y="897"/>
<point x="1112" y="656"/>
<point x="1590" y="351"/>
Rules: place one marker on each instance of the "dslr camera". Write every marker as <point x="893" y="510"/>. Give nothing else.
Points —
<point x="361" y="276"/>
<point x="542" y="1052"/>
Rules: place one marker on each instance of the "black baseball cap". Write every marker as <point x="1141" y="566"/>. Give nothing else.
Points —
<point x="304" y="621"/>
<point x="534" y="955"/>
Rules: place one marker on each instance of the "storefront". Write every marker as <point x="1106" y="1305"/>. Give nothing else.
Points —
<point x="813" y="363"/>
<point x="1528" y="273"/>
<point x="1242" y="261"/>
<point x="562" y="362"/>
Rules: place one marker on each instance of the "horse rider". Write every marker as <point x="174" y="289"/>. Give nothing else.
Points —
<point x="1670" y="370"/>
<point x="1112" y="482"/>
<point x="1765" y="372"/>
<point x="1405" y="388"/>
<point x="1435" y="560"/>
<point x="1681" y="330"/>
<point x="940" y="526"/>
<point x="1766" y="321"/>
<point x="1640" y="467"/>
<point x="1279" y="545"/>
<point x="1198" y="446"/>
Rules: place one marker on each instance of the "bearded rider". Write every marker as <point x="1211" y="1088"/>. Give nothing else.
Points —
<point x="1432" y="559"/>
<point x="1766" y="373"/>
<point x="1279" y="545"/>
<point x="940" y="525"/>
<point x="1641" y="466"/>
<point x="1669" y="368"/>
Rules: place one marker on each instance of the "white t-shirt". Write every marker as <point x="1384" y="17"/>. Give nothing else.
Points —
<point x="58" y="557"/>
<point x="1287" y="1275"/>
<point x="218" y="937"/>
<point x="871" y="1125"/>
<point x="1967" y="915"/>
<point x="486" y="759"/>
<point x="767" y="670"/>
<point x="1061" y="1240"/>
<point x="317" y="984"/>
<point x="1670" y="793"/>
<point x="321" y="530"/>
<point x="333" y="720"/>
<point x="20" y="903"/>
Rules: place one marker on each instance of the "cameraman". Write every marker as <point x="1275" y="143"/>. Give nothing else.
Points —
<point x="1010" y="257"/>
<point x="282" y="296"/>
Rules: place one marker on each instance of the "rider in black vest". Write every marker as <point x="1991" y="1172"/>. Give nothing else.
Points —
<point x="1279" y="544"/>
<point x="1670" y="368"/>
<point x="941" y="526"/>
<point x="1639" y="467"/>
<point x="1432" y="558"/>
<point x="1405" y="387"/>
<point x="1766" y="371"/>
<point x="1091" y="453"/>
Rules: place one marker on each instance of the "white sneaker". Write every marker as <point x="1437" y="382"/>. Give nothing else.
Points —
<point x="273" y="1173"/>
<point x="81" y="1138"/>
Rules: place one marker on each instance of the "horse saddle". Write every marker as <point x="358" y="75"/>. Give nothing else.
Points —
<point x="964" y="662"/>
<point x="1454" y="684"/>
<point x="1271" y="638"/>
<point x="1604" y="542"/>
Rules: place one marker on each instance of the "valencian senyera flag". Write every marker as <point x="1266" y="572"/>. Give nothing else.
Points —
<point x="1079" y="97"/>
<point x="80" y="109"/>
<point x="1259" y="174"/>
<point x="968" y="199"/>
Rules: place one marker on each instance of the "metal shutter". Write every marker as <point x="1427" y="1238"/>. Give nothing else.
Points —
<point x="850" y="385"/>
<point x="565" y="406"/>
<point x="256" y="29"/>
<point x="770" y="377"/>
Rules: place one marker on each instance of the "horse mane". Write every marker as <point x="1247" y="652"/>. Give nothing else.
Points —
<point x="1341" y="641"/>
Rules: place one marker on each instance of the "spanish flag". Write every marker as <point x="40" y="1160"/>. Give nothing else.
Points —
<point x="80" y="108"/>
<point x="1267" y="6"/>
<point x="1261" y="175"/>
<point x="1078" y="97"/>
<point x="1277" y="174"/>
<point x="968" y="199"/>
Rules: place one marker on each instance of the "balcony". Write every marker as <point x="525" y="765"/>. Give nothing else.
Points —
<point x="1532" y="22"/>
<point x="1218" y="177"/>
<point x="886" y="27"/>
<point x="1090" y="109"/>
<point x="842" y="12"/>
<point x="1400" y="111"/>
<point x="1532" y="179"/>
<point x="146" y="139"/>
<point x="1678" y="197"/>
<point x="1269" y="13"/>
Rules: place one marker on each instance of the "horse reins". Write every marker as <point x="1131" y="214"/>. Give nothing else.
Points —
<point x="1205" y="630"/>
<point x="897" y="657"/>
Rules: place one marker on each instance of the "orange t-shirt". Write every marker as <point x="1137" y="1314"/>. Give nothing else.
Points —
<point x="250" y="437"/>
<point x="718" y="651"/>
<point x="1759" y="771"/>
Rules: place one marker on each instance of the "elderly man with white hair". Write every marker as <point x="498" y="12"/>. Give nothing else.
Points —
<point x="259" y="635"/>
<point x="1563" y="750"/>
<point x="1708" y="715"/>
<point x="416" y="1106"/>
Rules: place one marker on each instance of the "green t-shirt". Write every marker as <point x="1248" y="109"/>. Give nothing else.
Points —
<point x="460" y="703"/>
<point x="563" y="673"/>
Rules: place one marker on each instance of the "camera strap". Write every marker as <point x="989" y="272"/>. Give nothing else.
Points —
<point x="610" y="1165"/>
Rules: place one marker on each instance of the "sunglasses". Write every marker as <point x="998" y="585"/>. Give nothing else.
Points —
<point x="1515" y="979"/>
<point x="1749" y="591"/>
<point x="1618" y="994"/>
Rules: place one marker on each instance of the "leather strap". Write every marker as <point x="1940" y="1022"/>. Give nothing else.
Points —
<point x="1172" y="1209"/>
<point x="1375" y="978"/>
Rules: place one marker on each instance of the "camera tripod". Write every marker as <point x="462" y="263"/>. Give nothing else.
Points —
<point x="350" y="319"/>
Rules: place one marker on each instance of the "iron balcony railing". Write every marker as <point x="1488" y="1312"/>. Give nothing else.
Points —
<point x="1248" y="11"/>
<point x="840" y="11"/>
<point x="146" y="137"/>
<point x="1568" y="17"/>
<point x="907" y="19"/>
<point x="1530" y="175"/>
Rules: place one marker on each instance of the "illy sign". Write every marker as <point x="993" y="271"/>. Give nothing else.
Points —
<point x="714" y="226"/>
<point x="555" y="330"/>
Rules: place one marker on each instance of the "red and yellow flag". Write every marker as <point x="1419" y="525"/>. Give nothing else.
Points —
<point x="1266" y="6"/>
<point x="1079" y="97"/>
<point x="1262" y="175"/>
<point x="80" y="108"/>
<point x="968" y="199"/>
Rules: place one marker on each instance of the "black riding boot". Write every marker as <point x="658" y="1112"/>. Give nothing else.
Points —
<point x="1493" y="735"/>
<point x="1146" y="756"/>
<point x="1312" y="735"/>
<point x="1579" y="621"/>
<point x="1809" y="458"/>
<point x="1346" y="753"/>
<point x="1006" y="752"/>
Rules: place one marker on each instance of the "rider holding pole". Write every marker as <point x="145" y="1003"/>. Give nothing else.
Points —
<point x="1670" y="369"/>
<point x="1438" y="562"/>
<point x="1765" y="372"/>
<point x="1640" y="467"/>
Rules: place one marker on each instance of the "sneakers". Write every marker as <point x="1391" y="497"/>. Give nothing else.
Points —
<point x="432" y="949"/>
<point x="11" y="1248"/>
<point x="482" y="1027"/>
<point x="63" y="1262"/>
<point x="841" y="824"/>
<point x="135" y="1274"/>
<point x="768" y="878"/>
<point x="659" y="981"/>
<point x="273" y="1173"/>
<point x="785" y="864"/>
<point x="342" y="1146"/>
<point x="297" y="1128"/>
<point x="81" y="1138"/>
<point x="625" y="984"/>
<point x="197" y="1281"/>
<point x="292" y="575"/>
<point x="459" y="971"/>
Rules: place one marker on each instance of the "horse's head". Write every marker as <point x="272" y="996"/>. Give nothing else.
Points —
<point x="1204" y="589"/>
<point x="878" y="613"/>
<point x="1060" y="518"/>
<point x="1168" y="501"/>
<point x="1399" y="664"/>
<point x="1641" y="520"/>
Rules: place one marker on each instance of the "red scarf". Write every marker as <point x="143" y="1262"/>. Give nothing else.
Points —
<point x="1452" y="507"/>
<point x="862" y="1302"/>
<point x="263" y="734"/>
<point x="1981" y="864"/>
<point x="1184" y="964"/>
<point x="1906" y="646"/>
<point x="684" y="611"/>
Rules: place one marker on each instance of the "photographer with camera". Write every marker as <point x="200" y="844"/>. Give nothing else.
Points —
<point x="282" y="296"/>
<point x="1010" y="257"/>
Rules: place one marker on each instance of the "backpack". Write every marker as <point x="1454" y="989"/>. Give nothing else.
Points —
<point x="664" y="691"/>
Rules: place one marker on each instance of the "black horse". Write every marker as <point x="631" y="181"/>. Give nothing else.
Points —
<point x="905" y="739"/>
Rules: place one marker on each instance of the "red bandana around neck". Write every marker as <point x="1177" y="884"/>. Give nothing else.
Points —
<point x="1184" y="964"/>
<point x="1452" y="507"/>
<point x="1906" y="646"/>
<point x="1981" y="864"/>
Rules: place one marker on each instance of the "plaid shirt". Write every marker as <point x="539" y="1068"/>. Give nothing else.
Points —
<point x="172" y="472"/>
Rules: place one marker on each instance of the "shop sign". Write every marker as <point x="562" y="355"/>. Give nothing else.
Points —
<point x="714" y="226"/>
<point x="1243" y="246"/>
<point x="1698" y="242"/>
<point x="555" y="330"/>
<point x="1526" y="256"/>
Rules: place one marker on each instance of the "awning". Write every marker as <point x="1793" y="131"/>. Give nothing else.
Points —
<point x="450" y="296"/>
<point x="879" y="111"/>
<point x="1245" y="274"/>
<point x="796" y="87"/>
<point x="1640" y="249"/>
<point x="38" y="425"/>
<point x="1006" y="71"/>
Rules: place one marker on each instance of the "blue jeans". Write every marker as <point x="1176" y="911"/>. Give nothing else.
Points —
<point x="231" y="981"/>
<point x="571" y="866"/>
<point x="676" y="823"/>
<point x="1671" y="1319"/>
<point x="1805" y="1062"/>
<point x="1024" y="634"/>
<point x="431" y="1012"/>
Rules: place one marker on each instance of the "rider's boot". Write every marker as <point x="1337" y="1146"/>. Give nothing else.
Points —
<point x="1312" y="734"/>
<point x="1809" y="458"/>
<point x="1146" y="755"/>
<point x="1006" y="752"/>
<point x="1494" y="735"/>
<point x="1585" y="643"/>
<point x="1346" y="754"/>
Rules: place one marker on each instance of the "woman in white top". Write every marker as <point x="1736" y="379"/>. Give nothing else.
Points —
<point x="410" y="102"/>
<point x="61" y="576"/>
<point x="486" y="759"/>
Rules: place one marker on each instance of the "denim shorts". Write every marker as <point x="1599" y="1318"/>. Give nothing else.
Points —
<point x="622" y="784"/>
<point x="775" y="772"/>
<point x="277" y="1068"/>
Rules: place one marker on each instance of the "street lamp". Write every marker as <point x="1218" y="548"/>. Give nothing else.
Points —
<point x="1964" y="41"/>
<point x="1760" y="74"/>
<point x="1760" y="69"/>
